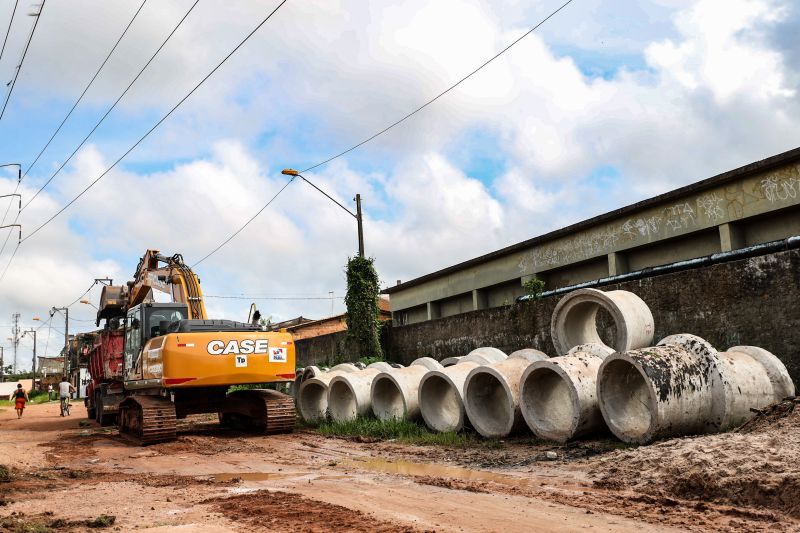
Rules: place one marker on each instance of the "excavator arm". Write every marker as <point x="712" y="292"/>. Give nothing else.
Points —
<point x="155" y="272"/>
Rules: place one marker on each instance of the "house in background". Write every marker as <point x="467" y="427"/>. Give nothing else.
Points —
<point x="304" y="328"/>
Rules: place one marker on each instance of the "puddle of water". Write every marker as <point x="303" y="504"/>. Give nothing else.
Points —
<point x="254" y="476"/>
<point x="410" y="468"/>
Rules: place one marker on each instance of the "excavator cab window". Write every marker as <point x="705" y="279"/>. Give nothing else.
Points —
<point x="158" y="316"/>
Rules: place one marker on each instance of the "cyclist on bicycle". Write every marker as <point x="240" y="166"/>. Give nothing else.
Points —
<point x="65" y="390"/>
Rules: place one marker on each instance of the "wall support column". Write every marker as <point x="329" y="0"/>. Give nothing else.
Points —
<point x="730" y="237"/>
<point x="617" y="264"/>
<point x="479" y="299"/>
<point x="434" y="310"/>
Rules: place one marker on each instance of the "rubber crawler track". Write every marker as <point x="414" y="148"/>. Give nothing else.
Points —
<point x="147" y="419"/>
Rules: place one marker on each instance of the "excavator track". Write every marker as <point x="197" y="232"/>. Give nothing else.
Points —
<point x="147" y="419"/>
<point x="265" y="411"/>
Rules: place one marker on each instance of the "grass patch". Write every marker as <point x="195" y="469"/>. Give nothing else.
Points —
<point x="402" y="431"/>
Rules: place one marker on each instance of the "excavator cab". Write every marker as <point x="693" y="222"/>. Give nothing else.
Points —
<point x="146" y="321"/>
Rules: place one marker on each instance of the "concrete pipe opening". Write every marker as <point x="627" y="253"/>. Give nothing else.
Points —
<point x="440" y="404"/>
<point x="625" y="400"/>
<point x="575" y="320"/>
<point x="342" y="403"/>
<point x="313" y="401"/>
<point x="387" y="399"/>
<point x="548" y="404"/>
<point x="489" y="404"/>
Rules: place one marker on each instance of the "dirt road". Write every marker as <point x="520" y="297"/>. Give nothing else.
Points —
<point x="67" y="472"/>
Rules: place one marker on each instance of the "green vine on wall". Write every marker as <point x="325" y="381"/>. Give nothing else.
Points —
<point x="363" y="326"/>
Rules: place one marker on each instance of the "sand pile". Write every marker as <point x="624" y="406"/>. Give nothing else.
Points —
<point x="759" y="465"/>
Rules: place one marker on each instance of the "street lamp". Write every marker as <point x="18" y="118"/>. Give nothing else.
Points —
<point x="87" y="302"/>
<point x="356" y="215"/>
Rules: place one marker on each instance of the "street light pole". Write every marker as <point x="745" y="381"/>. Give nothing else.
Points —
<point x="356" y="215"/>
<point x="33" y="367"/>
<point x="66" y="335"/>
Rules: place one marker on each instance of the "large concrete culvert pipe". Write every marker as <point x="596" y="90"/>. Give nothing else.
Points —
<point x="575" y="315"/>
<point x="657" y="392"/>
<point x="558" y="396"/>
<point x="441" y="397"/>
<point x="491" y="395"/>
<point x="349" y="394"/>
<point x="395" y="395"/>
<point x="484" y="355"/>
<point x="312" y="395"/>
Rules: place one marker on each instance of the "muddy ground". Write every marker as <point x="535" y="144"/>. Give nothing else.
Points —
<point x="68" y="474"/>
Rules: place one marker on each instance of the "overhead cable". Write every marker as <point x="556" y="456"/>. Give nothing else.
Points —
<point x="157" y="124"/>
<point x="21" y="61"/>
<point x="75" y="151"/>
<point x="328" y="298"/>
<point x="247" y="223"/>
<point x="432" y="100"/>
<point x="10" y="21"/>
<point x="91" y="81"/>
<point x="392" y="125"/>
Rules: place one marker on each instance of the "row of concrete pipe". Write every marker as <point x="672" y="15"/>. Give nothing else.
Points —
<point x="639" y="391"/>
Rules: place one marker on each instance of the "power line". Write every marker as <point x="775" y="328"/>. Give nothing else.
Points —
<point x="13" y="254"/>
<point x="24" y="53"/>
<point x="10" y="21"/>
<point x="432" y="100"/>
<point x="85" y="89"/>
<point x="390" y="126"/>
<point x="238" y="231"/>
<point x="68" y="159"/>
<point x="327" y="298"/>
<point x="157" y="124"/>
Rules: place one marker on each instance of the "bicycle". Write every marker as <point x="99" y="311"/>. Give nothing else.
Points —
<point x="65" y="406"/>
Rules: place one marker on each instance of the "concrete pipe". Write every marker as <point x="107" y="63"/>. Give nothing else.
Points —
<point x="782" y="384"/>
<point x="441" y="397"/>
<point x="574" y="320"/>
<point x="344" y="367"/>
<point x="600" y="350"/>
<point x="312" y="396"/>
<point x="746" y="385"/>
<point x="658" y="392"/>
<point x="528" y="354"/>
<point x="486" y="353"/>
<point x="491" y="396"/>
<point x="558" y="396"/>
<point x="450" y="361"/>
<point x="395" y="395"/>
<point x="311" y="371"/>
<point x="381" y="366"/>
<point x="349" y="394"/>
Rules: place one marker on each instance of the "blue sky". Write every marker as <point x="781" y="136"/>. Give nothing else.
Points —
<point x="608" y="104"/>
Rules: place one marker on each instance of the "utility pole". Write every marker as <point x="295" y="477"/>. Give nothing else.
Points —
<point x="2" y="368"/>
<point x="53" y="311"/>
<point x="15" y="332"/>
<point x="360" y="221"/>
<point x="33" y="367"/>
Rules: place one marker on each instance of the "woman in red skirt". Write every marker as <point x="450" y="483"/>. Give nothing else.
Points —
<point x="20" y="396"/>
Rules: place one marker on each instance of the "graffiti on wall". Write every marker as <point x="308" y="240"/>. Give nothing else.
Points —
<point x="707" y="210"/>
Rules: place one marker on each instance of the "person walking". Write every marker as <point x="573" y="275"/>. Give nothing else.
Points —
<point x="50" y="393"/>
<point x="20" y="397"/>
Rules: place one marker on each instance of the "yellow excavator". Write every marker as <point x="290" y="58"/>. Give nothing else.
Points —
<point x="177" y="362"/>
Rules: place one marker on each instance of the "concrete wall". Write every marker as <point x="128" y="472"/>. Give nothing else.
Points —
<point x="751" y="205"/>
<point x="754" y="301"/>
